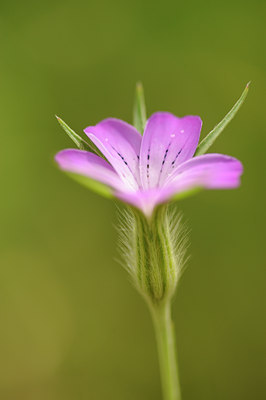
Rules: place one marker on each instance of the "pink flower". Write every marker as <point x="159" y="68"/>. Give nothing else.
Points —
<point x="145" y="171"/>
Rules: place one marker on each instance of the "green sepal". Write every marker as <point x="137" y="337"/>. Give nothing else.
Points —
<point x="79" y="142"/>
<point x="187" y="193"/>
<point x="153" y="251"/>
<point x="206" y="143"/>
<point x="139" y="111"/>
<point x="95" y="186"/>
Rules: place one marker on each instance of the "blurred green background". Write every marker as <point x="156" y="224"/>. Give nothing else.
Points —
<point x="71" y="325"/>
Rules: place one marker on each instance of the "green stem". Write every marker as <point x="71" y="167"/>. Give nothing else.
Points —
<point x="165" y="338"/>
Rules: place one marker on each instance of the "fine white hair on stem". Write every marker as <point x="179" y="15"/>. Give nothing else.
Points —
<point x="141" y="250"/>
<point x="179" y="234"/>
<point x="126" y="230"/>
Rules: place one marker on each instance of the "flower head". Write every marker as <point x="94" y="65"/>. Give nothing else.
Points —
<point x="145" y="171"/>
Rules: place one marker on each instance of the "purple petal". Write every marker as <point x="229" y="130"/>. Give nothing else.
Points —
<point x="211" y="171"/>
<point x="145" y="200"/>
<point x="90" y="165"/>
<point x="167" y="142"/>
<point x="120" y="144"/>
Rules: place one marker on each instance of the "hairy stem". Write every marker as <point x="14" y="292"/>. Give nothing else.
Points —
<point x="165" y="338"/>
<point x="154" y="252"/>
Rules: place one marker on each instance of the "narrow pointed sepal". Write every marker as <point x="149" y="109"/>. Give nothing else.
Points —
<point x="208" y="141"/>
<point x="79" y="142"/>
<point x="92" y="184"/>
<point x="139" y="112"/>
<point x="89" y="170"/>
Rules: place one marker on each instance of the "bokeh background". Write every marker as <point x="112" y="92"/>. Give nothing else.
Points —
<point x="71" y="325"/>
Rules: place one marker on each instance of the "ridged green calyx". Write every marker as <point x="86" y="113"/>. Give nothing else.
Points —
<point x="154" y="252"/>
